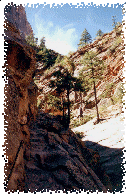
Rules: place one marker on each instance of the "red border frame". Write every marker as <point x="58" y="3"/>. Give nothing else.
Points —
<point x="3" y="79"/>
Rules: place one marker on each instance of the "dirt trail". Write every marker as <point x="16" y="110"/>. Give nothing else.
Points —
<point x="107" y="138"/>
<point x="109" y="132"/>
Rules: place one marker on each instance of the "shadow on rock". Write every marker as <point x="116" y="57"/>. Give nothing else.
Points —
<point x="111" y="163"/>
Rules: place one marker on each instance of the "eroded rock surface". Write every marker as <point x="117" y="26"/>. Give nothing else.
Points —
<point x="20" y="93"/>
<point x="58" y="160"/>
<point x="16" y="16"/>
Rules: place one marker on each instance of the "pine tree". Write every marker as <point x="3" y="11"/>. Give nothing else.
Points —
<point x="91" y="73"/>
<point x="85" y="38"/>
<point x="64" y="82"/>
<point x="42" y="43"/>
<point x="31" y="40"/>
<point x="61" y="83"/>
<point x="36" y="41"/>
<point x="58" y="59"/>
<point x="54" y="102"/>
<point x="99" y="33"/>
<point x="114" y="24"/>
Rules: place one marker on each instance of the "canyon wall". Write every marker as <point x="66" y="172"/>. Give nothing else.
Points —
<point x="16" y="15"/>
<point x="20" y="93"/>
<point x="41" y="153"/>
<point x="109" y="49"/>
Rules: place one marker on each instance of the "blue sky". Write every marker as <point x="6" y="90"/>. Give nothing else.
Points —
<point x="63" y="25"/>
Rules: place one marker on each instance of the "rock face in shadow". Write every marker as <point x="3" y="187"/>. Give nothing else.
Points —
<point x="20" y="93"/>
<point x="111" y="162"/>
<point x="58" y="160"/>
<point x="107" y="139"/>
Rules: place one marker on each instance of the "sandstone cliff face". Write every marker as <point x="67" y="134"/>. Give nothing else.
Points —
<point x="110" y="49"/>
<point x="20" y="93"/>
<point x="16" y="15"/>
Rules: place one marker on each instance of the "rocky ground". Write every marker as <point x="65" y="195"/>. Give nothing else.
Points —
<point x="58" y="160"/>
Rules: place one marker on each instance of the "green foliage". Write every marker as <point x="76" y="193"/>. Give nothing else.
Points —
<point x="92" y="70"/>
<point x="108" y="92"/>
<point x="118" y="96"/>
<point x="114" y="24"/>
<point x="84" y="120"/>
<point x="47" y="56"/>
<point x="42" y="43"/>
<point x="99" y="34"/>
<point x="116" y="43"/>
<point x="54" y="101"/>
<point x="85" y="38"/>
<point x="118" y="40"/>
<point x="31" y="40"/>
<point x="63" y="81"/>
<point x="58" y="59"/>
<point x="40" y="53"/>
<point x="68" y="64"/>
<point x="79" y="134"/>
<point x="119" y="29"/>
<point x="103" y="110"/>
<point x="70" y="53"/>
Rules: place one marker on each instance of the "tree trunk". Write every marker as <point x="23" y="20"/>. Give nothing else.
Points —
<point x="95" y="94"/>
<point x="96" y="103"/>
<point x="63" y="106"/>
<point x="81" y="111"/>
<point x="76" y="96"/>
<point x="68" y="106"/>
